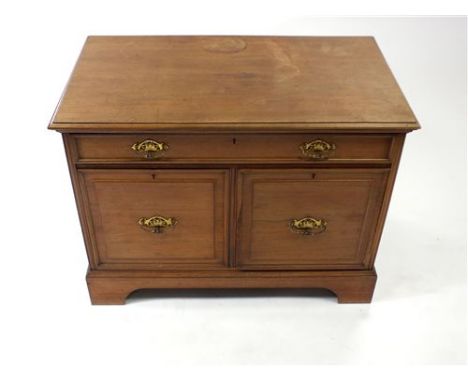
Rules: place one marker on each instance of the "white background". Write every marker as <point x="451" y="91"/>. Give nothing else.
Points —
<point x="48" y="327"/>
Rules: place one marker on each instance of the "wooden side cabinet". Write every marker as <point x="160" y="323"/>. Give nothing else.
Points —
<point x="232" y="162"/>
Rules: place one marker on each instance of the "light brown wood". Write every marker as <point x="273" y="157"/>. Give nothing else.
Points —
<point x="232" y="112"/>
<point x="184" y="81"/>
<point x="228" y="127"/>
<point x="113" y="288"/>
<point x="118" y="199"/>
<point x="348" y="200"/>
<point x="396" y="151"/>
<point x="99" y="148"/>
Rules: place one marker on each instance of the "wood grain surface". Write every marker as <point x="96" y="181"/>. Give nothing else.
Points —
<point x="197" y="200"/>
<point x="211" y="148"/>
<point x="122" y="83"/>
<point x="348" y="200"/>
<point x="230" y="117"/>
<point x="110" y="287"/>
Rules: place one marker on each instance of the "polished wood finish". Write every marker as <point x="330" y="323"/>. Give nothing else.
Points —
<point x="118" y="199"/>
<point x="264" y="148"/>
<point x="229" y="115"/>
<point x="113" y="288"/>
<point x="270" y="199"/>
<point x="181" y="81"/>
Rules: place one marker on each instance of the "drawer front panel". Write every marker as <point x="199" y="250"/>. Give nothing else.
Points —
<point x="307" y="219"/>
<point x="155" y="219"/>
<point x="199" y="148"/>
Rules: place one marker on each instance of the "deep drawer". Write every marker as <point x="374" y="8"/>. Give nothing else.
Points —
<point x="308" y="219"/>
<point x="199" y="148"/>
<point x="157" y="219"/>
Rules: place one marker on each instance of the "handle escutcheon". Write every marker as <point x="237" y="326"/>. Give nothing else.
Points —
<point x="151" y="148"/>
<point x="156" y="224"/>
<point x="317" y="149"/>
<point x="308" y="226"/>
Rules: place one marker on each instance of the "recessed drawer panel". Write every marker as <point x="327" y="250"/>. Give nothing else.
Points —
<point x="304" y="219"/>
<point x="199" y="148"/>
<point x="145" y="219"/>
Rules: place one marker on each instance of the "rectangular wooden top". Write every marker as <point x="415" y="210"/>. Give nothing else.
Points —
<point x="125" y="83"/>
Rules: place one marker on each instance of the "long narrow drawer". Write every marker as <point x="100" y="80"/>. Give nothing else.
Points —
<point x="199" y="148"/>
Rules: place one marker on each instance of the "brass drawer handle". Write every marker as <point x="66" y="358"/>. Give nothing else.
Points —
<point x="156" y="224"/>
<point x="308" y="226"/>
<point x="317" y="149"/>
<point x="150" y="148"/>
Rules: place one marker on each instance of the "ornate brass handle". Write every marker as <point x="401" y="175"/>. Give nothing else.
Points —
<point x="317" y="149"/>
<point x="156" y="224"/>
<point x="308" y="225"/>
<point x="150" y="147"/>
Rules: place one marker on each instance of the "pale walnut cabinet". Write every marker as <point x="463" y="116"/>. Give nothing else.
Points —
<point x="232" y="162"/>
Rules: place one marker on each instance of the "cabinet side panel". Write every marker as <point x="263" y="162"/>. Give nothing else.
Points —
<point x="395" y="154"/>
<point x="80" y="198"/>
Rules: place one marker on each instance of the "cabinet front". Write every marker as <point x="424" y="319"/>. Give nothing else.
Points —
<point x="153" y="219"/>
<point x="307" y="219"/>
<point x="209" y="148"/>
